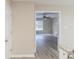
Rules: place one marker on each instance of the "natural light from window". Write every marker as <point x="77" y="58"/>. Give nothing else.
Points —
<point x="39" y="24"/>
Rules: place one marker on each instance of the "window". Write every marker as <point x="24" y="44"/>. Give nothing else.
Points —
<point x="39" y="24"/>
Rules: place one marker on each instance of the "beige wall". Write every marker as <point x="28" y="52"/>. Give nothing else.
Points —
<point x="22" y="28"/>
<point x="67" y="35"/>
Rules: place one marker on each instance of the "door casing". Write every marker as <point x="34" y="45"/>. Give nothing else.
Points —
<point x="59" y="37"/>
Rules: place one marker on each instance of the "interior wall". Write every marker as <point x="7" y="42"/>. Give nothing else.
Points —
<point x="67" y="23"/>
<point x="55" y="26"/>
<point x="23" y="41"/>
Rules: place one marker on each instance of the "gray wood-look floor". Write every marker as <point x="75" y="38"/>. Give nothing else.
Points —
<point x="46" y="47"/>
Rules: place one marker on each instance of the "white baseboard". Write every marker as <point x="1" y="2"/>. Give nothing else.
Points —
<point x="20" y="56"/>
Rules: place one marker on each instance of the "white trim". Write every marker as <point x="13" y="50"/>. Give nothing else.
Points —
<point x="20" y="56"/>
<point x="48" y="11"/>
<point x="59" y="29"/>
<point x="35" y="29"/>
<point x="59" y="12"/>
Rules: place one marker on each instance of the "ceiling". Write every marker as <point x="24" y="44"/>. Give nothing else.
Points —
<point x="51" y="15"/>
<point x="51" y="2"/>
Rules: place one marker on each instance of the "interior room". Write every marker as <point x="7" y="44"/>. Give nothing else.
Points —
<point x="47" y="29"/>
<point x="39" y="29"/>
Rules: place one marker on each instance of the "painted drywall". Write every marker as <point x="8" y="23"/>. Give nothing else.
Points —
<point x="67" y="23"/>
<point x="7" y="28"/>
<point x="55" y="26"/>
<point x="23" y="41"/>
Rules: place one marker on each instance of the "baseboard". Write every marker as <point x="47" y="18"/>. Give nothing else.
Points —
<point x="20" y="56"/>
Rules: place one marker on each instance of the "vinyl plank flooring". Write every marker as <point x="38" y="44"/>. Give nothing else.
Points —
<point x="46" y="46"/>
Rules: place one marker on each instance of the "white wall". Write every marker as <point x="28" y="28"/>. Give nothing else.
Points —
<point x="23" y="41"/>
<point x="7" y="28"/>
<point x="67" y="32"/>
<point x="55" y="26"/>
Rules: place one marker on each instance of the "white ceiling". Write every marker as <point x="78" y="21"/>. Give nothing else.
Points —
<point x="51" y="2"/>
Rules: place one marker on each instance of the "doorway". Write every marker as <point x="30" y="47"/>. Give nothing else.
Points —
<point x="47" y="34"/>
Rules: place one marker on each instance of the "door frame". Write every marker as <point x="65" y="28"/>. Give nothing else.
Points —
<point x="59" y="37"/>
